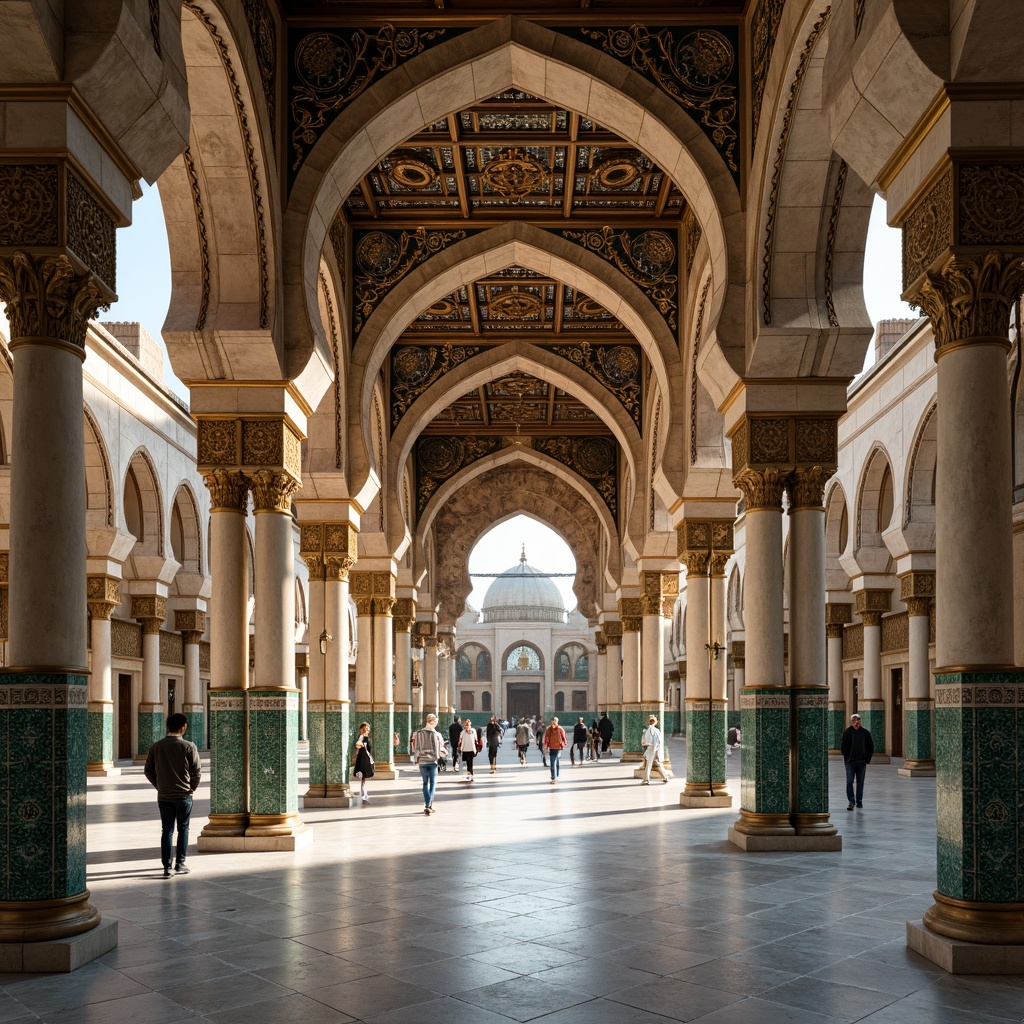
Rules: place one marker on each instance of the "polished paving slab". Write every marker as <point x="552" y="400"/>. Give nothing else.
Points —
<point x="596" y="901"/>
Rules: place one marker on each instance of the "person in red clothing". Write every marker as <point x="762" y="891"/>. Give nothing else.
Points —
<point x="555" y="742"/>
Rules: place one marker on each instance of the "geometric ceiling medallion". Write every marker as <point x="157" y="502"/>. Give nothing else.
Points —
<point x="586" y="308"/>
<point x="514" y="175"/>
<point x="618" y="171"/>
<point x="410" y="172"/>
<point x="515" y="305"/>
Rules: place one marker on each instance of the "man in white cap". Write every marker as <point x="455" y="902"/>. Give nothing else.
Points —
<point x="858" y="749"/>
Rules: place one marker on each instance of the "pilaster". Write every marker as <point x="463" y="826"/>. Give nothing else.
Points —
<point x="150" y="610"/>
<point x="103" y="595"/>
<point x="870" y="605"/>
<point x="917" y="591"/>
<point x="632" y="719"/>
<point x="403" y="617"/>
<point x="837" y="616"/>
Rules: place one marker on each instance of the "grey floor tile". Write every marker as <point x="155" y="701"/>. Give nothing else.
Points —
<point x="675" y="999"/>
<point x="732" y="976"/>
<point x="844" y="1002"/>
<point x="321" y="972"/>
<point x="454" y="976"/>
<point x="526" y="957"/>
<point x="223" y="993"/>
<point x="374" y="995"/>
<point x="595" y="977"/>
<point x="523" y="1001"/>
<point x="147" y="1008"/>
<point x="290" y="1009"/>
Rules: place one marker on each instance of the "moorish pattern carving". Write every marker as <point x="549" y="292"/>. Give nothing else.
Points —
<point x="332" y="325"/>
<point x="785" y="440"/>
<point x="692" y="234"/>
<point x="172" y="648"/>
<point x="229" y="490"/>
<point x="269" y="443"/>
<point x="28" y="214"/>
<point x="697" y="332"/>
<point x="328" y="70"/>
<point x="263" y="33"/>
<point x="90" y="232"/>
<point x="779" y="162"/>
<point x="928" y="230"/>
<point x="617" y="368"/>
<point x="853" y="641"/>
<point x="895" y="632"/>
<point x="764" y="26"/>
<point x="704" y="540"/>
<point x="125" y="639"/>
<point x="593" y="458"/>
<point x="272" y="490"/>
<point x="648" y="258"/>
<point x="697" y="68"/>
<point x="830" y="241"/>
<point x="439" y="458"/>
<point x="204" y="241"/>
<point x="760" y="490"/>
<point x="990" y="202"/>
<point x="414" y="369"/>
<point x="250" y="154"/>
<point x="383" y="258"/>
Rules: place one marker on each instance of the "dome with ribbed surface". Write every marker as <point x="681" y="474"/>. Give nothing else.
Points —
<point x="523" y="594"/>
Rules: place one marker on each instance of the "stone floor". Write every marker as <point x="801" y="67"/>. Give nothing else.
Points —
<point x="596" y="901"/>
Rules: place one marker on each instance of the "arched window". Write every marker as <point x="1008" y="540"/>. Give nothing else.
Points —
<point x="582" y="671"/>
<point x="523" y="658"/>
<point x="463" y="667"/>
<point x="885" y="500"/>
<point x="560" y="701"/>
<point x="562" y="671"/>
<point x="567" y="662"/>
<point x="485" y="701"/>
<point x="483" y="665"/>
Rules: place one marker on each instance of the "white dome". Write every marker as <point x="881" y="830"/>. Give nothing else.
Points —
<point x="523" y="594"/>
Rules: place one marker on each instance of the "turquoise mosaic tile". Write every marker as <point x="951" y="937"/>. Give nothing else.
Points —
<point x="918" y="732"/>
<point x="873" y="719"/>
<point x="733" y="719"/>
<point x="812" y="758"/>
<point x="339" y="745"/>
<point x="616" y="717"/>
<point x="101" y="736"/>
<point x="44" y="731"/>
<point x="196" y="731"/>
<point x="764" y="779"/>
<point x="633" y="725"/>
<point x="699" y="758"/>
<point x="227" y="752"/>
<point x="151" y="729"/>
<point x="273" y="752"/>
<point x="382" y="729"/>
<point x="836" y="725"/>
<point x="403" y="726"/>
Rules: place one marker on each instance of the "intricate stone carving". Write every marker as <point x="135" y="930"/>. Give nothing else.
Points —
<point x="228" y="490"/>
<point x="658" y="588"/>
<point x="830" y="242"/>
<point x="917" y="584"/>
<point x="895" y="632"/>
<point x="439" y="458"/>
<point x="764" y="24"/>
<point x="652" y="491"/>
<point x="918" y="606"/>
<point x="834" y="630"/>
<point x="5" y="568"/>
<point x="631" y="614"/>
<point x="263" y="32"/>
<point x="150" y="611"/>
<point x="853" y="641"/>
<point x="806" y="487"/>
<point x="990" y="199"/>
<point x="593" y="458"/>
<point x="648" y="258"/>
<point x="838" y="613"/>
<point x="46" y="298"/>
<point x="760" y="490"/>
<point x="204" y="656"/>
<point x="692" y="235"/>
<point x="514" y="175"/>
<point x="928" y="231"/>
<point x="90" y="232"/>
<point x="870" y="602"/>
<point x="696" y="562"/>
<point x="272" y="490"/>
<point x="190" y="621"/>
<point x="204" y="241"/>
<point x="779" y="163"/>
<point x="699" y="541"/>
<point x="816" y="440"/>
<point x="415" y="368"/>
<point x="697" y="332"/>
<point x="262" y="443"/>
<point x="404" y="614"/>
<point x="617" y="368"/>
<point x="125" y="639"/>
<point x="804" y="442"/>
<point x="28" y="213"/>
<point x="336" y="567"/>
<point x="738" y="653"/>
<point x="769" y="440"/>
<point x="103" y="595"/>
<point x="612" y="630"/>
<point x="172" y="647"/>
<point x="697" y="69"/>
<point x="314" y="566"/>
<point x="971" y="297"/>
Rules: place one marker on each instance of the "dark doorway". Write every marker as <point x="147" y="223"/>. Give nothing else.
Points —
<point x="856" y="694"/>
<point x="172" y="685"/>
<point x="524" y="699"/>
<point x="124" y="715"/>
<point x="896" y="683"/>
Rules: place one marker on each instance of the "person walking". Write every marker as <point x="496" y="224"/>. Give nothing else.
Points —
<point x="468" y="747"/>
<point x="523" y="738"/>
<point x="494" y="732"/>
<point x="173" y="768"/>
<point x="653" y="752"/>
<point x="606" y="727"/>
<point x="363" y="763"/>
<point x="540" y="742"/>
<point x="554" y="742"/>
<point x="579" y="741"/>
<point x="427" y="748"/>
<point x="594" y="738"/>
<point x="858" y="748"/>
<point x="454" y="732"/>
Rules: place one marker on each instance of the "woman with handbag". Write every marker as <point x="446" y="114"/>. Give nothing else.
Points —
<point x="468" y="747"/>
<point x="363" y="759"/>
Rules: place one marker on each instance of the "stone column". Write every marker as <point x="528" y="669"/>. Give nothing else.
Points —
<point x="807" y="663"/>
<point x="600" y="669"/>
<point x="738" y="660"/>
<point x="302" y="674"/>
<point x="430" y="673"/>
<point x="446" y="698"/>
<point x="273" y="699"/>
<point x="870" y="605"/>
<point x="659" y="593"/>
<point x="51" y="293"/>
<point x="765" y="698"/>
<point x="630" y="728"/>
<point x="403" y="617"/>
<point x="316" y="694"/>
<point x="917" y="591"/>
<point x="968" y="296"/>
<point x="229" y="659"/>
<point x="837" y="615"/>
<point x="103" y="597"/>
<point x="374" y="595"/>
<point x="150" y="610"/>
<point x="612" y="630"/>
<point x="191" y="624"/>
<point x="418" y="710"/>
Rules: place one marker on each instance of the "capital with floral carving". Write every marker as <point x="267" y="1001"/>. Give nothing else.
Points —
<point x="272" y="490"/>
<point x="103" y="595"/>
<point x="806" y="488"/>
<point x="229" y="490"/>
<point x="336" y="567"/>
<point x="738" y="653"/>
<point x="761" y="490"/>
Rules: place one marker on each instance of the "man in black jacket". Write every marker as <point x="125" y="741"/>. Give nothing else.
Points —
<point x="858" y="749"/>
<point x="454" y="732"/>
<point x="173" y="767"/>
<point x="606" y="727"/>
<point x="579" y="740"/>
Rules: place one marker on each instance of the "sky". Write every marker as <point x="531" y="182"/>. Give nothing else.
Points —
<point x="144" y="287"/>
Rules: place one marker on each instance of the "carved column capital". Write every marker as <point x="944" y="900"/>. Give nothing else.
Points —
<point x="699" y="541"/>
<point x="272" y="490"/>
<point x="331" y="547"/>
<point x="103" y="595"/>
<point x="918" y="606"/>
<point x="806" y="488"/>
<point x="190" y="620"/>
<point x="612" y="630"/>
<point x="314" y="566"/>
<point x="404" y="614"/>
<point x="229" y="490"/>
<point x="834" y="630"/>
<point x="738" y="653"/>
<point x="336" y="567"/>
<point x="760" y="490"/>
<point x="871" y="618"/>
<point x="191" y="636"/>
<point x="659" y="591"/>
<point x="631" y="614"/>
<point x="696" y="563"/>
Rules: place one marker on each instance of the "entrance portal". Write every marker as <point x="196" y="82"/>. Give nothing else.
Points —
<point x="523" y="700"/>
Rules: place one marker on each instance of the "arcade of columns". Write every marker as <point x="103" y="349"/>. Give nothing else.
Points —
<point x="954" y="184"/>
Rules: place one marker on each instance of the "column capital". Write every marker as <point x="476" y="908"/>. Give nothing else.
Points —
<point x="838" y="613"/>
<point x="404" y="614"/>
<point x="659" y="591"/>
<point x="806" y="488"/>
<point x="918" y="606"/>
<point x="766" y="440"/>
<point x="252" y="444"/>
<point x="612" y="630"/>
<point x="150" y="610"/>
<point x="272" y="490"/>
<point x="834" y="630"/>
<point x="917" y="583"/>
<point x="871" y="604"/>
<point x="331" y="548"/>
<point x="631" y="614"/>
<point x="761" y="490"/>
<point x="373" y="591"/>
<point x="738" y="652"/>
<point x="190" y="620"/>
<point x="103" y="595"/>
<point x="229" y="490"/>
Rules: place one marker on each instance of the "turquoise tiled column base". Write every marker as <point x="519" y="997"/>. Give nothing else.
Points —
<point x="918" y="723"/>
<point x="616" y="716"/>
<point x="273" y="752"/>
<point x="979" y="762"/>
<point x="699" y="759"/>
<point x="836" y="723"/>
<point x="101" y="736"/>
<point x="634" y="721"/>
<point x="812" y="719"/>
<point x="43" y="751"/>
<point x="732" y="719"/>
<point x="672" y="723"/>
<point x="151" y="729"/>
<point x="196" y="728"/>
<point x="227" y="752"/>
<point x="403" y="726"/>
<point x="873" y="719"/>
<point x="382" y="729"/>
<point x="339" y="742"/>
<point x="764" y="786"/>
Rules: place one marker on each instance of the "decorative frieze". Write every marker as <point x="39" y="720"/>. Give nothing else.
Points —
<point x="617" y="368"/>
<point x="794" y="442"/>
<point x="172" y="648"/>
<point x="895" y="632"/>
<point x="126" y="639"/>
<point x="249" y="444"/>
<point x="853" y="641"/>
<point x="928" y="231"/>
<point x="414" y="369"/>
<point x="595" y="459"/>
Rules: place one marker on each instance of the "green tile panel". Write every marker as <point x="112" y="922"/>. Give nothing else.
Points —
<point x="339" y="744"/>
<point x="765" y="722"/>
<point x="273" y="751"/>
<point x="919" y="720"/>
<point x="101" y="736"/>
<point x="227" y="752"/>
<point x="151" y="729"/>
<point x="699" y="759"/>
<point x="812" y="719"/>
